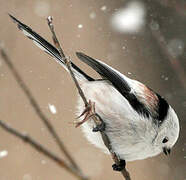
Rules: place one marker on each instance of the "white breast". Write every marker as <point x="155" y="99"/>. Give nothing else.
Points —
<point x="127" y="131"/>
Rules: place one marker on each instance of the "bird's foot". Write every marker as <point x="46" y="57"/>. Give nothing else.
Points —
<point x="89" y="111"/>
<point x="99" y="127"/>
<point x="120" y="166"/>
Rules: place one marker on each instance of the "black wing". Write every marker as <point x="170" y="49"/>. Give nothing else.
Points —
<point x="118" y="80"/>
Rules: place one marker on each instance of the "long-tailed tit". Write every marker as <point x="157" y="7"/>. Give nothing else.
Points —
<point x="139" y="122"/>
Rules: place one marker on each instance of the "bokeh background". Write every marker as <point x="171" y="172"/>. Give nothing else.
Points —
<point x="145" y="40"/>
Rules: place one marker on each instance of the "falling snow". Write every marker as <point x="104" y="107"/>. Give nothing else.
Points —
<point x="175" y="47"/>
<point x="103" y="8"/>
<point x="3" y="153"/>
<point x="130" y="19"/>
<point x="123" y="47"/>
<point x="154" y="26"/>
<point x="92" y="15"/>
<point x="80" y="26"/>
<point x="52" y="108"/>
<point x="164" y="77"/>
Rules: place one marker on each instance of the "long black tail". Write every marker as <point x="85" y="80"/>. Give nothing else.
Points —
<point x="48" y="48"/>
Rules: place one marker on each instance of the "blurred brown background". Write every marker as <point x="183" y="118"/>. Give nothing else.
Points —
<point x="156" y="56"/>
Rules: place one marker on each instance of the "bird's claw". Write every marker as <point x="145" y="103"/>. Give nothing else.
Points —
<point x="120" y="166"/>
<point x="88" y="112"/>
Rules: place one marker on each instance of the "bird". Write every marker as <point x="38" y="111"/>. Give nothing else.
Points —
<point x="138" y="121"/>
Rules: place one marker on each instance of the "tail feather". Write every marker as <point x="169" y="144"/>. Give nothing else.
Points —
<point x="48" y="48"/>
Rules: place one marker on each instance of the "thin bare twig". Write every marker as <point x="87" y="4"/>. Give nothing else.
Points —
<point x="37" y="109"/>
<point x="41" y="149"/>
<point x="105" y="138"/>
<point x="66" y="60"/>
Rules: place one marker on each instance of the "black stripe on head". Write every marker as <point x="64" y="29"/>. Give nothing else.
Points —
<point x="163" y="108"/>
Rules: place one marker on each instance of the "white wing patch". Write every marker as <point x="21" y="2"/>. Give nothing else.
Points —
<point x="26" y="33"/>
<point x="40" y="46"/>
<point x="35" y="41"/>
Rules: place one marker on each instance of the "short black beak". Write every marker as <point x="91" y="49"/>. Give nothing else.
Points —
<point x="166" y="151"/>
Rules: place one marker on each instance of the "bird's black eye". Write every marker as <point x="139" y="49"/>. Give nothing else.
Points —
<point x="166" y="139"/>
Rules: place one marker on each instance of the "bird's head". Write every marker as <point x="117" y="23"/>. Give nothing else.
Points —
<point x="168" y="132"/>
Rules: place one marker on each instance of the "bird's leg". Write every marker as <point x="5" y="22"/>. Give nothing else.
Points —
<point x="99" y="127"/>
<point x="88" y="112"/>
<point x="120" y="166"/>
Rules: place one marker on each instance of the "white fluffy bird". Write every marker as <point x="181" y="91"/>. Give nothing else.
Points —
<point x="138" y="121"/>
